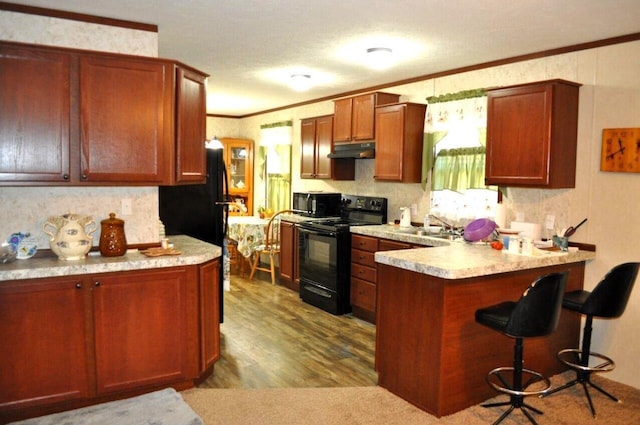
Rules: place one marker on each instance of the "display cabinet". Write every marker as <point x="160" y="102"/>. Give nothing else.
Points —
<point x="238" y="158"/>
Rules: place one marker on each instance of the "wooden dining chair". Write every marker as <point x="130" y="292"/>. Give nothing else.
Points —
<point x="236" y="260"/>
<point x="271" y="247"/>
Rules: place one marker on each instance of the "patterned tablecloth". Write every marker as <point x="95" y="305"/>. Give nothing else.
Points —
<point x="248" y="231"/>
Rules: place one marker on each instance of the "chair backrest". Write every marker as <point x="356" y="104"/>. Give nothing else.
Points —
<point x="538" y="310"/>
<point x="610" y="296"/>
<point x="272" y="235"/>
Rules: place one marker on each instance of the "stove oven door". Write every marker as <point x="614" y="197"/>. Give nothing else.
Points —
<point x="323" y="261"/>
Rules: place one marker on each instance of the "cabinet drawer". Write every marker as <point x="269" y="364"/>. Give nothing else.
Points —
<point x="388" y="245"/>
<point x="363" y="272"/>
<point x="366" y="258"/>
<point x="363" y="294"/>
<point x="364" y="243"/>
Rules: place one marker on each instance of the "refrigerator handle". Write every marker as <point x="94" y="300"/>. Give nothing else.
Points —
<point x="225" y="196"/>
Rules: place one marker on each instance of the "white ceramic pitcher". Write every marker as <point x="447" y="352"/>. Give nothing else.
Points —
<point x="70" y="235"/>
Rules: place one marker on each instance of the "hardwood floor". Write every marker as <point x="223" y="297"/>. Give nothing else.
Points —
<point x="270" y="338"/>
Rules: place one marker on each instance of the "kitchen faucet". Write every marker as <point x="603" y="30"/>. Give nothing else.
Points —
<point x="444" y="224"/>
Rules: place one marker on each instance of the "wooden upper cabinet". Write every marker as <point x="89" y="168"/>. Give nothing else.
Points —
<point x="35" y="101"/>
<point x="399" y="141"/>
<point x="74" y="117"/>
<point x="315" y="144"/>
<point x="191" y="132"/>
<point x="532" y="135"/>
<point x="124" y="133"/>
<point x="354" y="117"/>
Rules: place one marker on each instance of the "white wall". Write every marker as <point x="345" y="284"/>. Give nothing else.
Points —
<point x="609" y="98"/>
<point x="27" y="208"/>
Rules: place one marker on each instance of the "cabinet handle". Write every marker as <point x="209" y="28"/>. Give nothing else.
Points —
<point x="65" y="177"/>
<point x="83" y="176"/>
<point x="78" y="285"/>
<point x="96" y="284"/>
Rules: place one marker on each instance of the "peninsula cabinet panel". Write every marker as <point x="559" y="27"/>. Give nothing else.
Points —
<point x="35" y="103"/>
<point x="399" y="141"/>
<point x="44" y="349"/>
<point x="532" y="135"/>
<point x="142" y="325"/>
<point x="289" y="276"/>
<point x="124" y="131"/>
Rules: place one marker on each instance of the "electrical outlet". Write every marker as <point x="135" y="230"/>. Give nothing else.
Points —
<point x="126" y="206"/>
<point x="549" y="222"/>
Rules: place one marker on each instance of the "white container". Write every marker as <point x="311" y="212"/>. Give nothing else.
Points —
<point x="426" y="222"/>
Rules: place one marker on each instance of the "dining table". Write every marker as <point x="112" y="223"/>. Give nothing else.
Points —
<point x="248" y="231"/>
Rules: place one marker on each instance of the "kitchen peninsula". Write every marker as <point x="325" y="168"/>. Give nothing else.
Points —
<point x="83" y="332"/>
<point x="429" y="350"/>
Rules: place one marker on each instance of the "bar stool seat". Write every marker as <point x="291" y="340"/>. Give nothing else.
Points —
<point x="607" y="300"/>
<point x="536" y="314"/>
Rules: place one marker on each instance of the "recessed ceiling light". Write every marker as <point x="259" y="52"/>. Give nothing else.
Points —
<point x="379" y="57"/>
<point x="300" y="82"/>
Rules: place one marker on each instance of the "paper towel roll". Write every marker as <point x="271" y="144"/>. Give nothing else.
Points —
<point x="501" y="216"/>
<point x="529" y="230"/>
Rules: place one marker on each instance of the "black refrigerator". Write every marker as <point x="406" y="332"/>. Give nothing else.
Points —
<point x="200" y="210"/>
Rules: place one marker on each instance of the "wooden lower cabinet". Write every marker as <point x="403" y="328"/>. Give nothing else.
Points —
<point x="289" y="275"/>
<point x="80" y="340"/>
<point x="364" y="273"/>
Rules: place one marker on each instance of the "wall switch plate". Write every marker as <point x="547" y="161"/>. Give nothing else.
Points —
<point x="549" y="222"/>
<point x="126" y="206"/>
<point x="414" y="210"/>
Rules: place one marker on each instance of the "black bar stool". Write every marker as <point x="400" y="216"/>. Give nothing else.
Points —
<point x="607" y="300"/>
<point x="535" y="314"/>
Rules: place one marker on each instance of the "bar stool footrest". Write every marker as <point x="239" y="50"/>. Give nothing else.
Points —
<point x="520" y="392"/>
<point x="607" y="366"/>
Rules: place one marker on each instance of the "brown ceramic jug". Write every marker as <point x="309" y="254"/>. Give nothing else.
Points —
<point x="113" y="242"/>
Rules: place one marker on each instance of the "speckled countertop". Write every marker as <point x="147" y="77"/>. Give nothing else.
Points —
<point x="193" y="251"/>
<point x="459" y="260"/>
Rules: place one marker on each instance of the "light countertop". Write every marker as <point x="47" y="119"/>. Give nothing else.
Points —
<point x="459" y="259"/>
<point x="193" y="251"/>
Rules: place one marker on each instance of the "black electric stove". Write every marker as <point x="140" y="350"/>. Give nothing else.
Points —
<point x="324" y="252"/>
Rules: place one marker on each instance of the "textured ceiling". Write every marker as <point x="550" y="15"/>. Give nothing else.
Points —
<point x="247" y="45"/>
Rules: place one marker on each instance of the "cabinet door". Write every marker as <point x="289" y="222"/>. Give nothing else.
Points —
<point x="517" y="136"/>
<point x="389" y="142"/>
<point x="143" y="328"/>
<point x="362" y="120"/>
<point x="125" y="117"/>
<point x="287" y="251"/>
<point x="44" y="347"/>
<point x="209" y="314"/>
<point x="324" y="135"/>
<point x="190" y="127"/>
<point x="532" y="135"/>
<point x="308" y="148"/>
<point x="342" y="120"/>
<point x="34" y="115"/>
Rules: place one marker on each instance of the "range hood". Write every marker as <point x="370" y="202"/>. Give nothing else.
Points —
<point x="354" y="150"/>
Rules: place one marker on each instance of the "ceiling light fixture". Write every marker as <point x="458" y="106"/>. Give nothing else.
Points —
<point x="379" y="57"/>
<point x="300" y="82"/>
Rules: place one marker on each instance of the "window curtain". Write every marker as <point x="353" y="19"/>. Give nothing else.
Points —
<point x="274" y="164"/>
<point x="454" y="155"/>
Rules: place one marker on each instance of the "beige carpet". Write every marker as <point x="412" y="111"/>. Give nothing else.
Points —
<point x="375" y="405"/>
